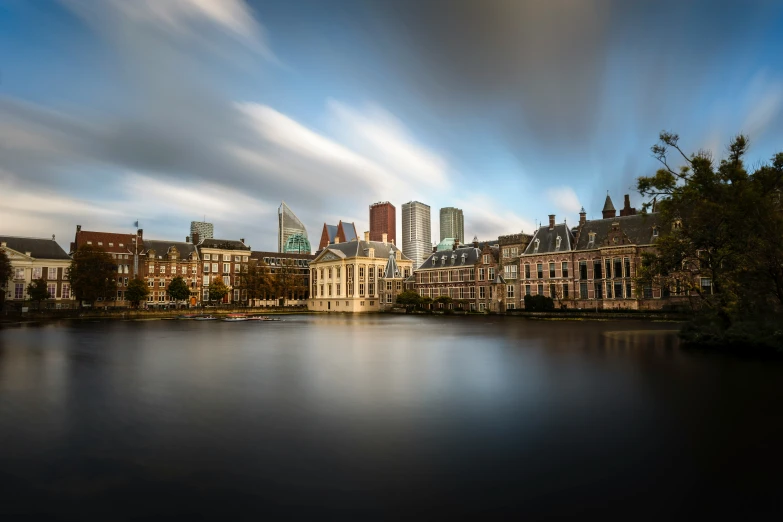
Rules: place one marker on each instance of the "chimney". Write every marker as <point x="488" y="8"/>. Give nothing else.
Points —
<point x="456" y="244"/>
<point x="52" y="237"/>
<point x="627" y="209"/>
<point x="384" y="237"/>
<point x="187" y="239"/>
<point x="434" y="248"/>
<point x="551" y="221"/>
<point x="367" y="235"/>
<point x="475" y="241"/>
<point x="195" y="238"/>
<point x="582" y="217"/>
<point x="336" y="240"/>
<point x="78" y="228"/>
<point x="140" y="233"/>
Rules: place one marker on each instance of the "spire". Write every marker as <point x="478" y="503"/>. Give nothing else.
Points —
<point x="609" y="211"/>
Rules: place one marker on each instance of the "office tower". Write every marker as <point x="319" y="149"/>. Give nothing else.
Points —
<point x="287" y="225"/>
<point x="416" y="231"/>
<point x="452" y="224"/>
<point x="383" y="220"/>
<point x="202" y="230"/>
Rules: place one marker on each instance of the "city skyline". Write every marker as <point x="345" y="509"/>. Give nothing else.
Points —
<point x="167" y="111"/>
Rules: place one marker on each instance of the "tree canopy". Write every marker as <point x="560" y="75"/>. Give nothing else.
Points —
<point x="721" y="240"/>
<point x="38" y="291"/>
<point x="217" y="289"/>
<point x="92" y="274"/>
<point x="178" y="289"/>
<point x="137" y="291"/>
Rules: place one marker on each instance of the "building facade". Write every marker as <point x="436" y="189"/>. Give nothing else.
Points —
<point x="287" y="225"/>
<point x="383" y="220"/>
<point x="125" y="249"/>
<point x="224" y="258"/>
<point x="33" y="259"/>
<point x="288" y="267"/>
<point x="510" y="247"/>
<point x="162" y="261"/>
<point x="416" y="232"/>
<point x="347" y="277"/>
<point x="452" y="224"/>
<point x="450" y="273"/>
<point x="202" y="230"/>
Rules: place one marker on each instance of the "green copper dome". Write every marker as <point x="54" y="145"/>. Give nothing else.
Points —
<point x="446" y="244"/>
<point x="297" y="244"/>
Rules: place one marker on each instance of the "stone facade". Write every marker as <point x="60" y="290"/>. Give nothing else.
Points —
<point x="32" y="259"/>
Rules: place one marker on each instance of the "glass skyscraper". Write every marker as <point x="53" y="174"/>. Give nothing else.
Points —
<point x="287" y="225"/>
<point x="416" y="232"/>
<point x="452" y="224"/>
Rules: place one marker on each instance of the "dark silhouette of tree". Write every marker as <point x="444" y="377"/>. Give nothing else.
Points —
<point x="137" y="291"/>
<point x="178" y="289"/>
<point x="92" y="274"/>
<point x="38" y="292"/>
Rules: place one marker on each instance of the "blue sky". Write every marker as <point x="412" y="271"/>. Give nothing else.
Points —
<point x="167" y="111"/>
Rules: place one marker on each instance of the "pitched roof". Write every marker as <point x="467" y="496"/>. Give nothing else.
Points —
<point x="634" y="230"/>
<point x="608" y="206"/>
<point x="39" y="248"/>
<point x="361" y="249"/>
<point x="546" y="240"/>
<point x="463" y="256"/>
<point x="162" y="248"/>
<point x="391" y="271"/>
<point x="110" y="241"/>
<point x="225" y="244"/>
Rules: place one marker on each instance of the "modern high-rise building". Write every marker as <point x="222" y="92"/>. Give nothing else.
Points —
<point x="287" y="225"/>
<point x="202" y="230"/>
<point x="416" y="232"/>
<point x="383" y="220"/>
<point x="452" y="224"/>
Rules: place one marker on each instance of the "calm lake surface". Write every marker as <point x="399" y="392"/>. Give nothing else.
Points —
<point x="372" y="417"/>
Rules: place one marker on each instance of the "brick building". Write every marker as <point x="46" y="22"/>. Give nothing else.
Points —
<point x="125" y="249"/>
<point x="451" y="273"/>
<point x="511" y="247"/>
<point x="277" y="261"/>
<point x="383" y="220"/>
<point x="162" y="261"/>
<point x="546" y="265"/>
<point x="33" y="259"/>
<point x="223" y="258"/>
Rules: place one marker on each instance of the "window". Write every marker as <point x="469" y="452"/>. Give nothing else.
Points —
<point x="151" y="283"/>
<point x="472" y="292"/>
<point x="597" y="269"/>
<point x="388" y="286"/>
<point x="628" y="293"/>
<point x="19" y="291"/>
<point x="37" y="272"/>
<point x="706" y="285"/>
<point x="226" y="257"/>
<point x="527" y="289"/>
<point x="329" y="289"/>
<point x="481" y="307"/>
<point x="552" y="290"/>
<point x="236" y="295"/>
<point x="206" y="268"/>
<point x="237" y="259"/>
<point x="627" y="266"/>
<point x="608" y="290"/>
<point x="361" y="289"/>
<point x="89" y="242"/>
<point x="399" y="285"/>
<point x="608" y="274"/>
<point x="481" y="274"/>
<point x="509" y="306"/>
<point x="618" y="290"/>
<point x="564" y="268"/>
<point x="540" y="270"/>
<point x="51" y="288"/>
<point x="599" y="294"/>
<point x="583" y="290"/>
<point x="227" y="281"/>
<point x="557" y="243"/>
<point x="162" y="269"/>
<point x="655" y="232"/>
<point x="471" y="274"/>
<point x="370" y="289"/>
<point x="205" y="280"/>
<point x="486" y="259"/>
<point x="491" y="273"/>
<point x="18" y="273"/>
<point x="100" y="243"/>
<point x="337" y="272"/>
<point x="565" y="290"/>
<point x="66" y="291"/>
<point x="214" y="268"/>
<point x="583" y="270"/>
<point x="338" y="288"/>
<point x="226" y="268"/>
<point x="540" y="289"/>
<point x="618" y="268"/>
<point x="551" y="270"/>
<point x="527" y="271"/>
<point x="361" y="272"/>
<point x="510" y="291"/>
<point x="648" y="292"/>
<point x="236" y="269"/>
<point x="161" y="283"/>
<point x="52" y="274"/>
<point x="535" y="246"/>
<point x="206" y="257"/>
<point x="482" y="292"/>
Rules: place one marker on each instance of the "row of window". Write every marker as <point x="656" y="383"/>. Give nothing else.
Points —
<point x="65" y="293"/>
<point x="226" y="257"/>
<point x="38" y="272"/>
<point x="614" y="268"/>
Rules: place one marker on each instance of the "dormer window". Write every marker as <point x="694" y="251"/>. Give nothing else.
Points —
<point x="434" y="258"/>
<point x="557" y="243"/>
<point x="535" y="246"/>
<point x="591" y="240"/>
<point x="655" y="231"/>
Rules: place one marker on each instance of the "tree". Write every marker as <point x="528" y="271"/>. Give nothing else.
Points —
<point x="217" y="289"/>
<point x="137" y="291"/>
<point x="256" y="280"/>
<point x="6" y="271"/>
<point x="409" y="299"/>
<point x="178" y="289"/>
<point x="539" y="303"/>
<point x="38" y="292"/>
<point x="92" y="274"/>
<point x="288" y="279"/>
<point x="721" y="243"/>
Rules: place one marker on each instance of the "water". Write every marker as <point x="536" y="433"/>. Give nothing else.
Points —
<point x="380" y="416"/>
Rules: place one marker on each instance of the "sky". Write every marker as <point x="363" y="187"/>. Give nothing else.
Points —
<point x="169" y="111"/>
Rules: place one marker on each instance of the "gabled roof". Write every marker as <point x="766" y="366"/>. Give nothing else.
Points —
<point x="224" y="244"/>
<point x="381" y="250"/>
<point x="633" y="230"/>
<point x="463" y="256"/>
<point x="39" y="248"/>
<point x="162" y="248"/>
<point x="546" y="239"/>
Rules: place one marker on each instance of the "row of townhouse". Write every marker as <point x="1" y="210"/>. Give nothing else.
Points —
<point x="593" y="266"/>
<point x="158" y="262"/>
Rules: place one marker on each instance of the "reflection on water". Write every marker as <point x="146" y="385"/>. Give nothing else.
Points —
<point x="365" y="415"/>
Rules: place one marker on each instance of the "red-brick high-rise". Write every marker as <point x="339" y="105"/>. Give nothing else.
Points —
<point x="383" y="220"/>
